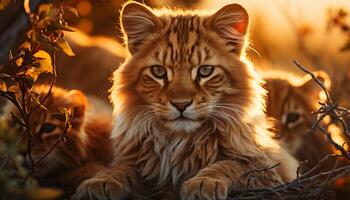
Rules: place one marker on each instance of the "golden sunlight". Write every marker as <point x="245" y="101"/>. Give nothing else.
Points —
<point x="174" y="99"/>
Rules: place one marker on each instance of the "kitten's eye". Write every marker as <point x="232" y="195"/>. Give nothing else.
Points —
<point x="158" y="71"/>
<point x="292" y="117"/>
<point x="47" y="128"/>
<point x="205" y="71"/>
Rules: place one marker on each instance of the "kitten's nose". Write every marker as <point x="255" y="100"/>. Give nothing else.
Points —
<point x="181" y="105"/>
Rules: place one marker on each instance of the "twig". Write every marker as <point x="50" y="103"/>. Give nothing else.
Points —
<point x="314" y="182"/>
<point x="40" y="37"/>
<point x="315" y="79"/>
<point x="329" y="108"/>
<point x="254" y="171"/>
<point x="59" y="140"/>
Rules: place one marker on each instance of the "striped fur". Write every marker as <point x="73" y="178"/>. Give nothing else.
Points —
<point x="86" y="148"/>
<point x="291" y="105"/>
<point x="222" y="132"/>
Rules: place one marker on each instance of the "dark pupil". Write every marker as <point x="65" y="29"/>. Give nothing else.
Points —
<point x="205" y="70"/>
<point x="158" y="71"/>
<point x="292" y="117"/>
<point x="47" y="128"/>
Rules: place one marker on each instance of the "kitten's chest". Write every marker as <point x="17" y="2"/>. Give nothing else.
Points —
<point x="170" y="164"/>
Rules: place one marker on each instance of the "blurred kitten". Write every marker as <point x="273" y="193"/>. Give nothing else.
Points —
<point x="86" y="148"/>
<point x="291" y="105"/>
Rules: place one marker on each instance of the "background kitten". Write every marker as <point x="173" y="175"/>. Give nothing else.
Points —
<point x="291" y="105"/>
<point x="86" y="148"/>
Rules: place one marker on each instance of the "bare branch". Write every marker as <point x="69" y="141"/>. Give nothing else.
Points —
<point x="315" y="182"/>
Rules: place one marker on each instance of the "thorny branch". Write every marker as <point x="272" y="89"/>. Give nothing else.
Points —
<point x="336" y="113"/>
<point x="314" y="183"/>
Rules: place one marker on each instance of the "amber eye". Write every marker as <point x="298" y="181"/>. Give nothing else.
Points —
<point x="205" y="71"/>
<point x="158" y="71"/>
<point x="47" y="128"/>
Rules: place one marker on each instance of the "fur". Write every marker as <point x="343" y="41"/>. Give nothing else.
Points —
<point x="200" y="152"/>
<point x="86" y="149"/>
<point x="291" y="103"/>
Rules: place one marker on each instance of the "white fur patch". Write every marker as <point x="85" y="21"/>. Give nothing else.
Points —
<point x="183" y="125"/>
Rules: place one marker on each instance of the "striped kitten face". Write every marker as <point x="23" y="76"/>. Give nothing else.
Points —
<point x="292" y="107"/>
<point x="183" y="65"/>
<point x="185" y="92"/>
<point x="47" y="130"/>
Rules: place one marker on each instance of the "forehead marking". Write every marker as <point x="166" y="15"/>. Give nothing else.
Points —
<point x="157" y="55"/>
<point x="183" y="40"/>
<point x="206" y="53"/>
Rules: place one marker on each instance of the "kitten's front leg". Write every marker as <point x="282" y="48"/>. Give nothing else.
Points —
<point x="205" y="188"/>
<point x="114" y="183"/>
<point x="214" y="181"/>
<point x="211" y="183"/>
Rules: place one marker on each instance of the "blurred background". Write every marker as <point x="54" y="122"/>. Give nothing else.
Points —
<point x="315" y="33"/>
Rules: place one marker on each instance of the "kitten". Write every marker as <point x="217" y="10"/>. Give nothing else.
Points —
<point x="188" y="108"/>
<point x="291" y="105"/>
<point x="86" y="149"/>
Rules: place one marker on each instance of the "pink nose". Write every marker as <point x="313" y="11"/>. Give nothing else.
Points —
<point x="181" y="105"/>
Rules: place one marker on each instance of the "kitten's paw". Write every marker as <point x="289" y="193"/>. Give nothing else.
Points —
<point x="204" y="188"/>
<point x="102" y="187"/>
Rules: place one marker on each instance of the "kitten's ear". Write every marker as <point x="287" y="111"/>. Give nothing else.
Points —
<point x="276" y="88"/>
<point x="310" y="87"/>
<point x="137" y="21"/>
<point x="231" y="23"/>
<point x="77" y="101"/>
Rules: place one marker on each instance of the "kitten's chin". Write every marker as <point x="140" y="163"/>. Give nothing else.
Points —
<point x="183" y="125"/>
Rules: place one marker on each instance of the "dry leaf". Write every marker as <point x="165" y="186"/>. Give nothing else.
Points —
<point x="64" y="46"/>
<point x="44" y="60"/>
<point x="44" y="8"/>
<point x="27" y="6"/>
<point x="3" y="86"/>
<point x="72" y="10"/>
<point x="19" y="61"/>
